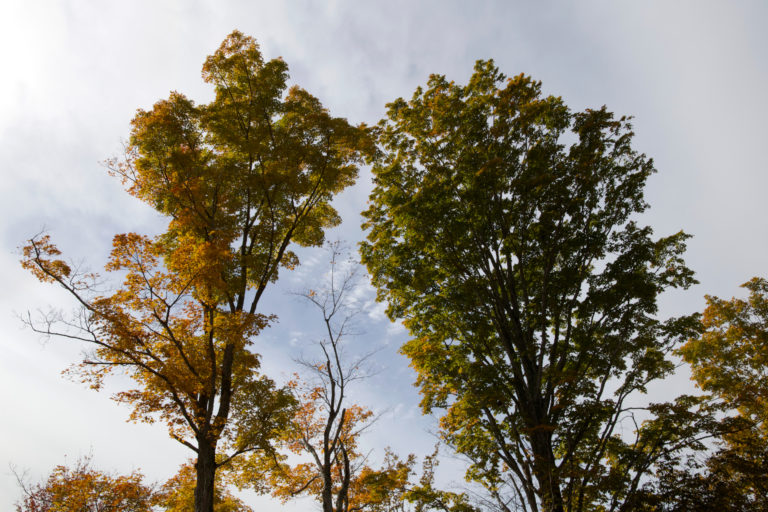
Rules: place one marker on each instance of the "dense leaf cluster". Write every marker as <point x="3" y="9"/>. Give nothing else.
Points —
<point x="239" y="179"/>
<point x="503" y="230"/>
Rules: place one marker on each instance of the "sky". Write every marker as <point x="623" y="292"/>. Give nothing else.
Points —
<point x="692" y="73"/>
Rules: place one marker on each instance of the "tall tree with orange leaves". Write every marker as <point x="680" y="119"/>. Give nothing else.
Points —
<point x="240" y="179"/>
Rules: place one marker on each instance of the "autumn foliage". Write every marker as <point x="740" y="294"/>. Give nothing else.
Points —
<point x="729" y="360"/>
<point x="239" y="180"/>
<point x="730" y="357"/>
<point x="81" y="488"/>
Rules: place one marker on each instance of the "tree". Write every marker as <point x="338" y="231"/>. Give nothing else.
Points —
<point x="502" y="229"/>
<point x="425" y="497"/>
<point x="81" y="488"/>
<point x="733" y="478"/>
<point x="729" y="359"/>
<point x="240" y="179"/>
<point x="326" y="427"/>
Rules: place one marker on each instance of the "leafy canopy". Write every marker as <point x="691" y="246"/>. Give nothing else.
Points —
<point x="730" y="358"/>
<point x="81" y="488"/>
<point x="239" y="179"/>
<point x="502" y="229"/>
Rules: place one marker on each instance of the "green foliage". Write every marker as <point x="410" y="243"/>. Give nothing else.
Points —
<point x="502" y="229"/>
<point x="425" y="497"/>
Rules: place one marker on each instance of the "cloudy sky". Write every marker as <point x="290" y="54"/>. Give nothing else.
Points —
<point x="693" y="73"/>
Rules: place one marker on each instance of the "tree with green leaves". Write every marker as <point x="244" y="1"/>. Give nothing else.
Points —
<point x="240" y="179"/>
<point x="425" y="497"/>
<point x="503" y="229"/>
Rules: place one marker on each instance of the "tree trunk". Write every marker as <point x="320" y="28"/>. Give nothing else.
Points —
<point x="206" y="473"/>
<point x="327" y="488"/>
<point x="545" y="470"/>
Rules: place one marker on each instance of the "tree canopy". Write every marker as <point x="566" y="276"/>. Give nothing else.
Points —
<point x="239" y="179"/>
<point x="730" y="357"/>
<point x="729" y="360"/>
<point x="82" y="488"/>
<point x="503" y="229"/>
